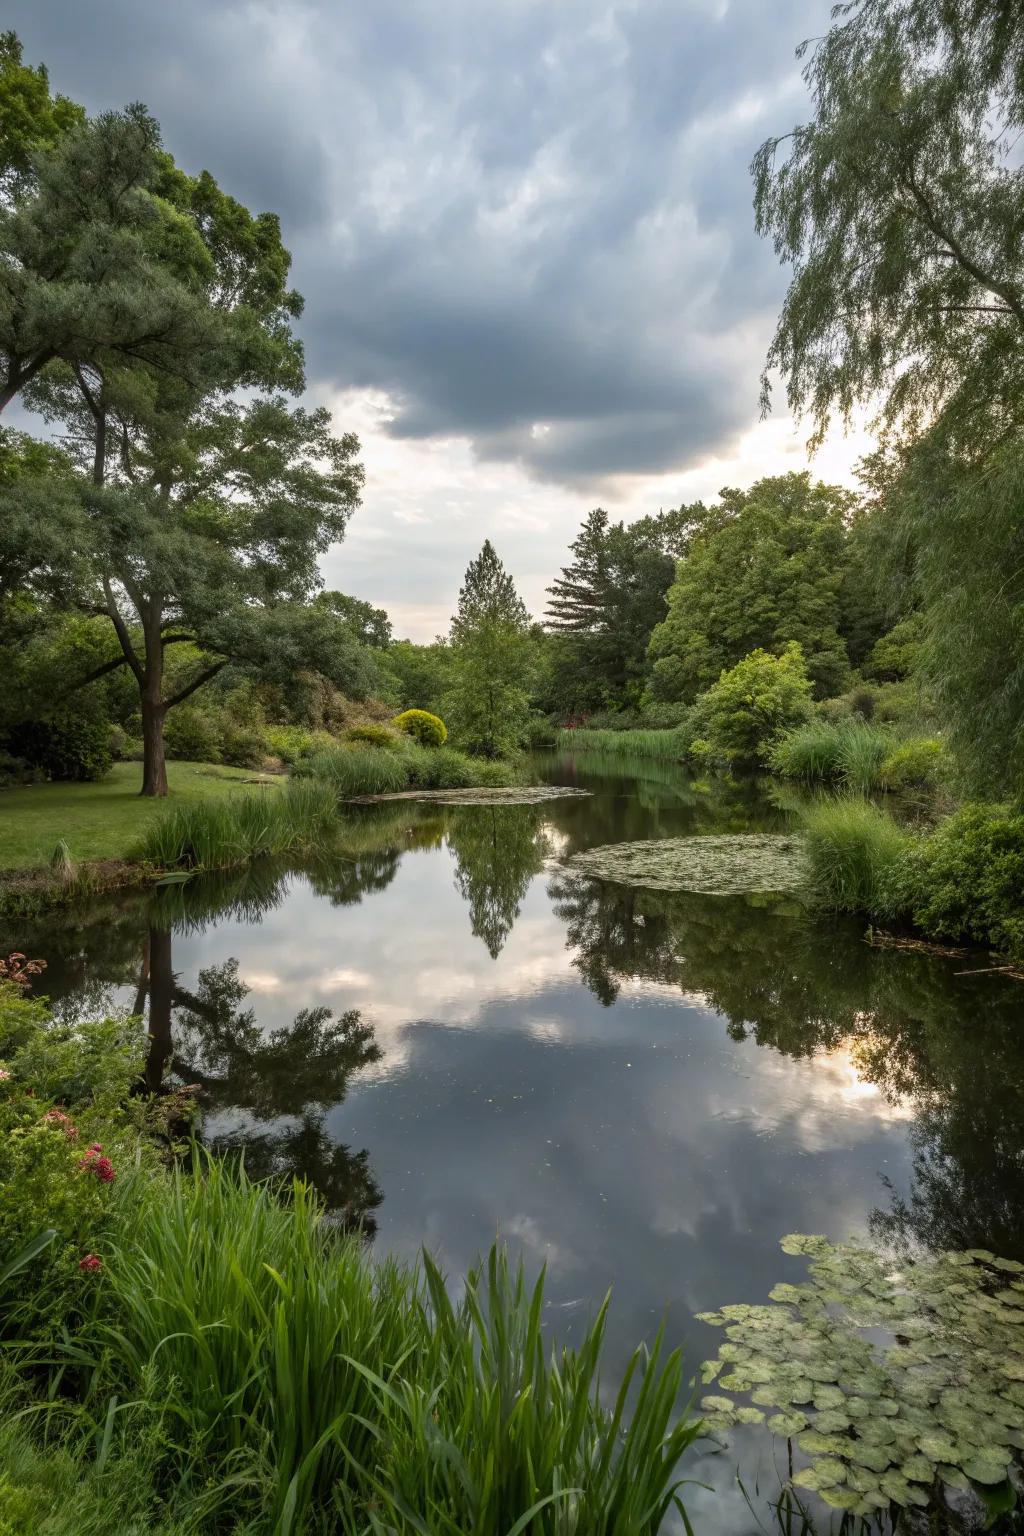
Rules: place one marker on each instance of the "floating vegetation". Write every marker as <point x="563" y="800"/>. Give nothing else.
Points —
<point x="519" y="794"/>
<point x="712" y="866"/>
<point x="940" y="1406"/>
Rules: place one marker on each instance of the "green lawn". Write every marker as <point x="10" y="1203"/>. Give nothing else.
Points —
<point x="102" y="821"/>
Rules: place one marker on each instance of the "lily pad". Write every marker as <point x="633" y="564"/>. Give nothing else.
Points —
<point x="713" y="866"/>
<point x="519" y="794"/>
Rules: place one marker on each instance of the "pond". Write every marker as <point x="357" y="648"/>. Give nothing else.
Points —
<point x="457" y="1036"/>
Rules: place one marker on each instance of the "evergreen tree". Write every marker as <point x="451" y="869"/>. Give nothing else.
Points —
<point x="607" y="601"/>
<point x="487" y="704"/>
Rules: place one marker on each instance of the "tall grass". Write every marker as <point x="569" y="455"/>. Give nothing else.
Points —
<point x="216" y="834"/>
<point x="381" y="771"/>
<point x="305" y="1386"/>
<point x="357" y="771"/>
<point x="850" y="751"/>
<point x="668" y="744"/>
<point x="853" y="849"/>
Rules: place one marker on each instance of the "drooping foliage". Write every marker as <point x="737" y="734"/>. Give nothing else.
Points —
<point x="899" y="208"/>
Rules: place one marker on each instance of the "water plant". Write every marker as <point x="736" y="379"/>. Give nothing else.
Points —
<point x="716" y="866"/>
<point x="853" y="850"/>
<point x="361" y="770"/>
<point x="300" y="1381"/>
<point x="848" y="751"/>
<point x="668" y="744"/>
<point x="216" y="834"/>
<point x="939" y="1405"/>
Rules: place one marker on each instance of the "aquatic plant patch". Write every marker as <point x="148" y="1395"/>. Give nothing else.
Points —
<point x="939" y="1405"/>
<point x="713" y="866"/>
<point x="519" y="794"/>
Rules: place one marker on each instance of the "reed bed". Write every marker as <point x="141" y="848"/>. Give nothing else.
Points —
<point x="853" y="849"/>
<point x="669" y="745"/>
<point x="304" y="1386"/>
<point x="217" y="834"/>
<point x="850" y="752"/>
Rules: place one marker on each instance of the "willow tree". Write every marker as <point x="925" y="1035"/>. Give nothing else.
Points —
<point x="900" y="207"/>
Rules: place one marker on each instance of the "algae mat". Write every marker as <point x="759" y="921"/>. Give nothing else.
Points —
<point x="521" y="794"/>
<point x="712" y="866"/>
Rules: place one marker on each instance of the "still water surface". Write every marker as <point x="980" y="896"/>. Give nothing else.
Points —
<point x="458" y="1038"/>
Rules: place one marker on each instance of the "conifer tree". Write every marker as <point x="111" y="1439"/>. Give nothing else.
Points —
<point x="492" y="660"/>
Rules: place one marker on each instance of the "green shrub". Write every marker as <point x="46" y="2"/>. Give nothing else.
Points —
<point x="663" y="717"/>
<point x="751" y="706"/>
<point x="192" y="735"/>
<point x="242" y="745"/>
<point x="965" y="880"/>
<point x="373" y="735"/>
<point x="916" y="763"/>
<point x="853" y="850"/>
<point x="429" y="730"/>
<point x="15" y="770"/>
<point x="67" y="744"/>
<point x="357" y="771"/>
<point x="541" y="731"/>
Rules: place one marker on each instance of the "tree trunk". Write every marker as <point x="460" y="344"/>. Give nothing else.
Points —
<point x="154" y="764"/>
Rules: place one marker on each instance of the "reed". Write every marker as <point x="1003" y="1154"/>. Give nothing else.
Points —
<point x="305" y="1386"/>
<point x="217" y="834"/>
<point x="668" y="744"/>
<point x="357" y="771"/>
<point x="849" y="751"/>
<point x="853" y="848"/>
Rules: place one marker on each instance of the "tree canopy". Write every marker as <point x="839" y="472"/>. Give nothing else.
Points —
<point x="900" y="208"/>
<point x="766" y="568"/>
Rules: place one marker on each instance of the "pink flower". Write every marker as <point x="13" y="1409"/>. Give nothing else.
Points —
<point x="59" y="1118"/>
<point x="92" y="1162"/>
<point x="90" y="1262"/>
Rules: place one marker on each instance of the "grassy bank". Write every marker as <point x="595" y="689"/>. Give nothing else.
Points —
<point x="239" y="1364"/>
<point x="104" y="820"/>
<point x="964" y="880"/>
<point x="668" y="745"/>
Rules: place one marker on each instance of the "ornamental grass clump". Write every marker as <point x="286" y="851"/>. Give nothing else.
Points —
<point x="307" y="1386"/>
<point x="216" y="834"/>
<point x="670" y="745"/>
<point x="853" y="851"/>
<point x="361" y="770"/>
<point x="850" y="752"/>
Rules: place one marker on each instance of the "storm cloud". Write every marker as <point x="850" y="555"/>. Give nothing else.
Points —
<point x="527" y="223"/>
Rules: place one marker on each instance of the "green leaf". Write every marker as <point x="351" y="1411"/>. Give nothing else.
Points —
<point x="787" y="1424"/>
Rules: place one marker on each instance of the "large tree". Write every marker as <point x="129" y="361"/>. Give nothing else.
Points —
<point x="200" y="514"/>
<point x="487" y="703"/>
<point x="607" y="600"/>
<point x="900" y="207"/>
<point x="767" y="568"/>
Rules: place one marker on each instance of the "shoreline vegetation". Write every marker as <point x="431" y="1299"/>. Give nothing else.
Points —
<point x="218" y="822"/>
<point x="242" y="1362"/>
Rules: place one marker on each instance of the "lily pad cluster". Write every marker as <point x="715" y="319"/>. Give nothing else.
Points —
<point x="713" y="866"/>
<point x="940" y="1403"/>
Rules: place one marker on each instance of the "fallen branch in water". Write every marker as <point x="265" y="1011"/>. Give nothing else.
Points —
<point x="1013" y="971"/>
<point x="879" y="939"/>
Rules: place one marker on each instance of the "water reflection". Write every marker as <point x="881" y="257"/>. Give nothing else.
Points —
<point x="639" y="1086"/>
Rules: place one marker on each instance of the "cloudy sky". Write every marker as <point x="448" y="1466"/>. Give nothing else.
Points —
<point x="524" y="233"/>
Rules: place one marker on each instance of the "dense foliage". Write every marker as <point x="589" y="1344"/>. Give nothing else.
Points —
<point x="766" y="568"/>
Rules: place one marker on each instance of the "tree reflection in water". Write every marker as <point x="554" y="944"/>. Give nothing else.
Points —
<point x="950" y="1047"/>
<point x="498" y="850"/>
